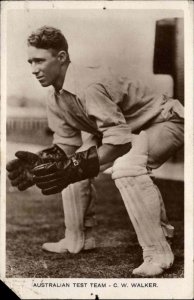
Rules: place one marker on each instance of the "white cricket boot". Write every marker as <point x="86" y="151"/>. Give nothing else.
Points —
<point x="155" y="261"/>
<point x="62" y="245"/>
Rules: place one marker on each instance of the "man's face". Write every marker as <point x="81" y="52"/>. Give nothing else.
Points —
<point x="45" y="65"/>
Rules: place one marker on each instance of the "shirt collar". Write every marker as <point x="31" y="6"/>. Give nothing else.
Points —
<point x="69" y="83"/>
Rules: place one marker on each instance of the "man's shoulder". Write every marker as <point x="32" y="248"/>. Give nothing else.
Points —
<point x="91" y="73"/>
<point x="87" y="76"/>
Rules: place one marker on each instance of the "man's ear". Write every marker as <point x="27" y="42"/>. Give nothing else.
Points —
<point x="62" y="56"/>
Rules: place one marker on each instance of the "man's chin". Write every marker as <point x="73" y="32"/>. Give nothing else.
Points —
<point x="44" y="84"/>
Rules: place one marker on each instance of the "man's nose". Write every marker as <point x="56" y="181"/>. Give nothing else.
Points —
<point x="35" y="69"/>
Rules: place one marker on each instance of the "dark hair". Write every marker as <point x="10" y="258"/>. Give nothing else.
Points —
<point x="47" y="37"/>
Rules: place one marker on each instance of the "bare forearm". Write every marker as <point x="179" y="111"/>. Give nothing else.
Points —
<point x="108" y="153"/>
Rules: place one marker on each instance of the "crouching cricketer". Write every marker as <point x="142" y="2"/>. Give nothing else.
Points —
<point x="128" y="126"/>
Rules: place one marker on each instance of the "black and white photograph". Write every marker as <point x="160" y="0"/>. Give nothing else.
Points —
<point x="96" y="145"/>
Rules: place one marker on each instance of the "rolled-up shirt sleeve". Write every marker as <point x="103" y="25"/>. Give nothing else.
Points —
<point x="108" y="116"/>
<point x="64" y="136"/>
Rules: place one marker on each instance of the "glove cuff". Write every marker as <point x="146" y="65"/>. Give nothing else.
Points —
<point x="86" y="163"/>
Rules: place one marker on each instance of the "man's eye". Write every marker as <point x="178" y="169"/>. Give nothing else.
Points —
<point x="37" y="61"/>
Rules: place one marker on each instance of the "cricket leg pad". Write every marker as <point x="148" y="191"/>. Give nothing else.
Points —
<point x="143" y="206"/>
<point x="78" y="214"/>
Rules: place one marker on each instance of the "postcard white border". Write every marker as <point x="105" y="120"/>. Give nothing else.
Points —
<point x="167" y="288"/>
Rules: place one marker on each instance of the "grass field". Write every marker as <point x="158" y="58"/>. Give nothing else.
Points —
<point x="33" y="219"/>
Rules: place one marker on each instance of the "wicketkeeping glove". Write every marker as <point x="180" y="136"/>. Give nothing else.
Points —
<point x="53" y="177"/>
<point x="20" y="169"/>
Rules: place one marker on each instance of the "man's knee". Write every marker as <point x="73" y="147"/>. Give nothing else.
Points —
<point x="165" y="139"/>
<point x="135" y="161"/>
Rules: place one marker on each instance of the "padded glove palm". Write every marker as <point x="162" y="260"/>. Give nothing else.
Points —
<point x="53" y="177"/>
<point x="20" y="169"/>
